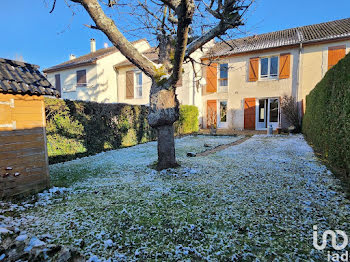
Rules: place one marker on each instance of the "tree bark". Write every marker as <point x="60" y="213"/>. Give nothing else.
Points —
<point x="166" y="147"/>
<point x="164" y="111"/>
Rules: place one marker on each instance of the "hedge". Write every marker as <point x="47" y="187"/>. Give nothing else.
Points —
<point x="77" y="128"/>
<point x="326" y="123"/>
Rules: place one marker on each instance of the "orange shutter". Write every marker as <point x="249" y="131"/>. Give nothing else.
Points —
<point x="253" y="69"/>
<point x="335" y="53"/>
<point x="211" y="113"/>
<point x="212" y="78"/>
<point x="249" y="113"/>
<point x="284" y="66"/>
<point x="130" y="84"/>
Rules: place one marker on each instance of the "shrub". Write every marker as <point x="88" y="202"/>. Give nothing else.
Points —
<point x="77" y="128"/>
<point x="290" y="111"/>
<point x="188" y="121"/>
<point x="326" y="123"/>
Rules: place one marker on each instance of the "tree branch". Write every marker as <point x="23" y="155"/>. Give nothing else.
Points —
<point x="185" y="14"/>
<point x="173" y="4"/>
<point x="107" y="26"/>
<point x="225" y="24"/>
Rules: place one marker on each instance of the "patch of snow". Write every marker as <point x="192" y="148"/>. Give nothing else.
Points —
<point x="21" y="238"/>
<point x="34" y="242"/>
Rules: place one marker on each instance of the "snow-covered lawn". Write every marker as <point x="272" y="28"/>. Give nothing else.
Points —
<point x="259" y="199"/>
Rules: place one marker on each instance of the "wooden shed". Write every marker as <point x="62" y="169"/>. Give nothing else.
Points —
<point x="23" y="151"/>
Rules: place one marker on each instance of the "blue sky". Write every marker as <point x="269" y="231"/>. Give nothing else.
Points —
<point x="30" y="31"/>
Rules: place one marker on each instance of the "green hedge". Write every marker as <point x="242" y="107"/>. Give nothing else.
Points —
<point x="188" y="121"/>
<point x="77" y="128"/>
<point x="326" y="123"/>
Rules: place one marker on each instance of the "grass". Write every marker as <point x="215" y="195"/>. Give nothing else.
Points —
<point x="256" y="201"/>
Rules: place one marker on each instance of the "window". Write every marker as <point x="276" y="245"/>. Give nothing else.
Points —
<point x="58" y="82"/>
<point x="223" y="111"/>
<point x="138" y="84"/>
<point x="81" y="78"/>
<point x="269" y="67"/>
<point x="223" y="75"/>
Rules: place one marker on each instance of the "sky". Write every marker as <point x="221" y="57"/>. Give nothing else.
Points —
<point x="28" y="29"/>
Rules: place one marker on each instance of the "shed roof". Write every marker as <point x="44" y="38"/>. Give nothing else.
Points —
<point x="22" y="78"/>
<point x="87" y="59"/>
<point x="306" y="34"/>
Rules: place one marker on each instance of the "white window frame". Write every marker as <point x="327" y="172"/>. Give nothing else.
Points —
<point x="269" y="77"/>
<point x="137" y="86"/>
<point x="222" y="89"/>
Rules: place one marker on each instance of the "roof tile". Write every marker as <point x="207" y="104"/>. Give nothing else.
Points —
<point x="22" y="78"/>
<point x="305" y="34"/>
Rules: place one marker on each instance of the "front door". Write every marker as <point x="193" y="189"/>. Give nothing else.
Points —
<point x="267" y="113"/>
<point x="222" y="116"/>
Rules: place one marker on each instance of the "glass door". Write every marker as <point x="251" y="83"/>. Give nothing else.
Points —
<point x="267" y="113"/>
<point x="262" y="114"/>
<point x="273" y="112"/>
<point x="222" y="114"/>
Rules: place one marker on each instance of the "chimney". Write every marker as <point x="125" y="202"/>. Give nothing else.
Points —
<point x="71" y="57"/>
<point x="93" y="45"/>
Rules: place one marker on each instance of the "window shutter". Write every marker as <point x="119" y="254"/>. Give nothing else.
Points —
<point x="249" y="113"/>
<point x="130" y="84"/>
<point x="212" y="78"/>
<point x="58" y="83"/>
<point x="335" y="54"/>
<point x="284" y="66"/>
<point x="253" y="69"/>
<point x="211" y="113"/>
<point x="81" y="78"/>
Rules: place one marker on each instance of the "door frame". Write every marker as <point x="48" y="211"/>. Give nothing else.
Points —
<point x="275" y="125"/>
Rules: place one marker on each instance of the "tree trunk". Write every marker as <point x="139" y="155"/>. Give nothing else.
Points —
<point x="166" y="147"/>
<point x="164" y="111"/>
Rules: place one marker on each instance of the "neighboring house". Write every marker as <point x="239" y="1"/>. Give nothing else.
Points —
<point x="134" y="86"/>
<point x="90" y="77"/>
<point x="245" y="78"/>
<point x="105" y="75"/>
<point x="23" y="153"/>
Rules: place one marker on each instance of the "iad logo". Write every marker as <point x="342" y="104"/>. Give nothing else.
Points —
<point x="332" y="256"/>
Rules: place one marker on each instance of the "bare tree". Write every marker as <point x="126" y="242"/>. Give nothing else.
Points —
<point x="291" y="112"/>
<point x="180" y="27"/>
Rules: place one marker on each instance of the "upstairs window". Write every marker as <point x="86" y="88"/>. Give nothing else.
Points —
<point x="81" y="78"/>
<point x="269" y="67"/>
<point x="138" y="84"/>
<point x="223" y="80"/>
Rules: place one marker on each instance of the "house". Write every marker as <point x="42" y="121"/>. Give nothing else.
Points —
<point x="134" y="86"/>
<point x="23" y="153"/>
<point x="246" y="77"/>
<point x="106" y="76"/>
<point x="90" y="77"/>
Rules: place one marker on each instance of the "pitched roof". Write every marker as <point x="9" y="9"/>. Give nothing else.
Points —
<point x="305" y="34"/>
<point x="87" y="59"/>
<point x="151" y="54"/>
<point x="23" y="78"/>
